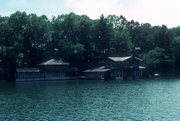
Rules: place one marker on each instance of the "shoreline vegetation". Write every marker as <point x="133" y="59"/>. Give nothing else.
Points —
<point x="26" y="40"/>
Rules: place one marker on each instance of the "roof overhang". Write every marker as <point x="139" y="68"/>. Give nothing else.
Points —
<point x="27" y="70"/>
<point x="121" y="59"/>
<point x="54" y="62"/>
<point x="98" y="70"/>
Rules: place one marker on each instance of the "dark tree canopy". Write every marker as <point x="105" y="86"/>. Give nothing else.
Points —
<point x="27" y="39"/>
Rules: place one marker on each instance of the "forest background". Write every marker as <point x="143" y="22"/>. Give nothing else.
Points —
<point x="27" y="40"/>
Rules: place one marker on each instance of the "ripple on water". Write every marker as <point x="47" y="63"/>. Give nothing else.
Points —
<point x="91" y="100"/>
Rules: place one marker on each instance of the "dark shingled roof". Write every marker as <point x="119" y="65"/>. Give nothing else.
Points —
<point x="123" y="58"/>
<point x="54" y="62"/>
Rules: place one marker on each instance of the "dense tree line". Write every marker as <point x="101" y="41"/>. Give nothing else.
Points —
<point x="27" y="39"/>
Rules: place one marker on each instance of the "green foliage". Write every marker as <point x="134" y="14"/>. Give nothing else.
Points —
<point x="154" y="57"/>
<point x="121" y="44"/>
<point x="27" y="39"/>
<point x="102" y="36"/>
<point x="175" y="47"/>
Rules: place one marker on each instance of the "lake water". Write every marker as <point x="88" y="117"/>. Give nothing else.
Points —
<point x="157" y="99"/>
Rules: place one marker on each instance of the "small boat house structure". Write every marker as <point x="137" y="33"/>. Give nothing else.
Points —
<point x="50" y="70"/>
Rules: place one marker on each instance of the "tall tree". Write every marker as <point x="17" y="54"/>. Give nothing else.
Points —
<point x="102" y="37"/>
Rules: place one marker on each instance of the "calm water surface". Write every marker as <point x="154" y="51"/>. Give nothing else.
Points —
<point x="157" y="99"/>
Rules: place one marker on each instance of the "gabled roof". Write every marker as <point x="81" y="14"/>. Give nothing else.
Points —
<point x="99" y="69"/>
<point x="123" y="58"/>
<point x="54" y="62"/>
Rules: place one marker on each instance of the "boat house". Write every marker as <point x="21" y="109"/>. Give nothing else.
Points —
<point x="118" y="68"/>
<point x="126" y="67"/>
<point x="50" y="70"/>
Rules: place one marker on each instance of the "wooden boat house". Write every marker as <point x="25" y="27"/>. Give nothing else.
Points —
<point x="126" y="67"/>
<point x="49" y="70"/>
<point x="118" y="68"/>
